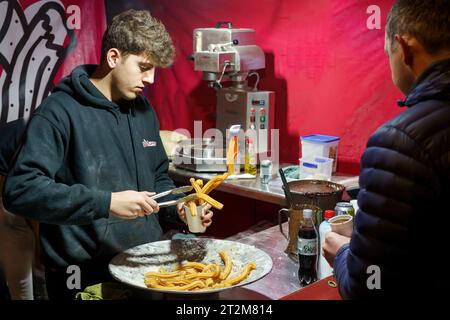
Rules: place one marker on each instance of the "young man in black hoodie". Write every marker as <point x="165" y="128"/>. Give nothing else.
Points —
<point x="400" y="229"/>
<point x="93" y="158"/>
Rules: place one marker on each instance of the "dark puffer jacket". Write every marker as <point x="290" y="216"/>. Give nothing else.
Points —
<point x="403" y="202"/>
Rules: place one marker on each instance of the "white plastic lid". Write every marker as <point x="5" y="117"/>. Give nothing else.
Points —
<point x="307" y="213"/>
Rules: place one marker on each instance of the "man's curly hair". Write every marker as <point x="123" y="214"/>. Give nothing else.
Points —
<point x="137" y="32"/>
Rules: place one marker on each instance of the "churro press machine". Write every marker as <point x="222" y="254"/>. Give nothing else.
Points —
<point x="227" y="58"/>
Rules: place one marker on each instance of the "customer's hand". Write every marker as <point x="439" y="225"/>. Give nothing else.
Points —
<point x="206" y="214"/>
<point x="333" y="242"/>
<point x="132" y="204"/>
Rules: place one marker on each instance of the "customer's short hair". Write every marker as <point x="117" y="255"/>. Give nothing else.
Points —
<point x="137" y="32"/>
<point x="426" y="20"/>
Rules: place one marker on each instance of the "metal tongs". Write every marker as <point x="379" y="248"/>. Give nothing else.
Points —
<point x="176" y="201"/>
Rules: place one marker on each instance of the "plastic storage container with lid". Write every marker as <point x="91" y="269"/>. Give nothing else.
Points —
<point x="315" y="168"/>
<point x="320" y="145"/>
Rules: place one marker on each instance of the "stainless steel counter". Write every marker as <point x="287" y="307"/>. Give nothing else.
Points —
<point x="251" y="188"/>
<point x="281" y="281"/>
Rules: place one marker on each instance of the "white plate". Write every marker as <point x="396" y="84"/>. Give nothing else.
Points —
<point x="130" y="266"/>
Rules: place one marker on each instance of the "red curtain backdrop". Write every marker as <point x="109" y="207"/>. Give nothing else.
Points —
<point x="42" y="41"/>
<point x="327" y="67"/>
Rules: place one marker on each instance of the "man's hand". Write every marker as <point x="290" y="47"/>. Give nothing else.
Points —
<point x="333" y="242"/>
<point x="132" y="204"/>
<point x="206" y="214"/>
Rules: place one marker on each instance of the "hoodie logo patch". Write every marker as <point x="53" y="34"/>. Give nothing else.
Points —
<point x="146" y="143"/>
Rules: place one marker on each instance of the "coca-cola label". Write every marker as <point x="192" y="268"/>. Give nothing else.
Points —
<point x="307" y="247"/>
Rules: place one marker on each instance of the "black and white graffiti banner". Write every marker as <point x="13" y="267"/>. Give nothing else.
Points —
<point x="33" y="44"/>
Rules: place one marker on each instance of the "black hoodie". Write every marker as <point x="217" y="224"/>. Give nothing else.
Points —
<point x="79" y="148"/>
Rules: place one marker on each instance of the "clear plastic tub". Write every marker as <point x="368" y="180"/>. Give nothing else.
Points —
<point x="320" y="145"/>
<point x="316" y="168"/>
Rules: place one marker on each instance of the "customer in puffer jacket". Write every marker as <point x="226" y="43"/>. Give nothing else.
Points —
<point x="400" y="227"/>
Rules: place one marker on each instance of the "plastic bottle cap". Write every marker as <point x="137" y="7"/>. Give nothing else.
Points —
<point x="329" y="214"/>
<point x="234" y="130"/>
<point x="307" y="213"/>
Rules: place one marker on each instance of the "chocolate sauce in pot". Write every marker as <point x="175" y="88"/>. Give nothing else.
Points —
<point x="312" y="188"/>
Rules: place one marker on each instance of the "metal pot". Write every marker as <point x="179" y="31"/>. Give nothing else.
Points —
<point x="200" y="155"/>
<point x="320" y="193"/>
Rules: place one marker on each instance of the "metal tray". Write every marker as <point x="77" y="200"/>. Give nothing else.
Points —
<point x="200" y="155"/>
<point x="199" y="164"/>
<point x="130" y="266"/>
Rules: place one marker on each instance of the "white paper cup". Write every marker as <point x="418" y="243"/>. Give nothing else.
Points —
<point x="194" y="222"/>
<point x="342" y="224"/>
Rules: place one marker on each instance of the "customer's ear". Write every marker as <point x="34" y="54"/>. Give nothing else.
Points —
<point x="406" y="50"/>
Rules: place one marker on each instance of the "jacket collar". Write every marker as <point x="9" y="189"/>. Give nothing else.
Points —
<point x="432" y="84"/>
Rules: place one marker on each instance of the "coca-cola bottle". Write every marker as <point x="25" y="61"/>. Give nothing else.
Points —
<point x="307" y="249"/>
